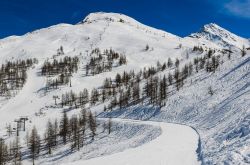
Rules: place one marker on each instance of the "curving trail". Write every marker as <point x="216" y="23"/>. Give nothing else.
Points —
<point x="176" y="145"/>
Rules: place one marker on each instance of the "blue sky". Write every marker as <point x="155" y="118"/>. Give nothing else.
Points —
<point x="180" y="17"/>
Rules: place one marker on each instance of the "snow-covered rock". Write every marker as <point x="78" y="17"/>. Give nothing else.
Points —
<point x="216" y="34"/>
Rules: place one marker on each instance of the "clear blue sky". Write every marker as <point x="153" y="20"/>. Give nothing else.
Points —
<point x="180" y="17"/>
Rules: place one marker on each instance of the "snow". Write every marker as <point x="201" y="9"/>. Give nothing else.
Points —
<point x="220" y="36"/>
<point x="222" y="120"/>
<point x="124" y="135"/>
<point x="176" y="145"/>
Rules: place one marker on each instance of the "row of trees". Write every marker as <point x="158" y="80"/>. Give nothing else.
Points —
<point x="13" y="75"/>
<point x="125" y="89"/>
<point x="74" y="130"/>
<point x="62" y="69"/>
<point x="102" y="62"/>
<point x="66" y="66"/>
<point x="70" y="130"/>
<point x="77" y="100"/>
<point x="208" y="62"/>
<point x="54" y="83"/>
<point x="198" y="49"/>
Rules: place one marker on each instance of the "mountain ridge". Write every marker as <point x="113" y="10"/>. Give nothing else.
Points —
<point x="210" y="32"/>
<point x="219" y="35"/>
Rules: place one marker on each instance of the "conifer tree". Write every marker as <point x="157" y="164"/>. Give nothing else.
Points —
<point x="76" y="132"/>
<point x="94" y="96"/>
<point x="49" y="137"/>
<point x="34" y="144"/>
<point x="4" y="155"/>
<point x="243" y="51"/>
<point x="83" y="123"/>
<point x="92" y="124"/>
<point x="109" y="125"/>
<point x="16" y="152"/>
<point x="177" y="63"/>
<point x="170" y="78"/>
<point x="64" y="127"/>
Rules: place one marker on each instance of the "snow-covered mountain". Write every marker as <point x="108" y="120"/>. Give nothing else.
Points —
<point x="221" y="119"/>
<point x="220" y="36"/>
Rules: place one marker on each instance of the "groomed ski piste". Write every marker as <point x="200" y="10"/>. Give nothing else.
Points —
<point x="141" y="134"/>
<point x="177" y="145"/>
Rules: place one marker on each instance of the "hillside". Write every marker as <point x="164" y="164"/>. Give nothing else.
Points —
<point x="213" y="98"/>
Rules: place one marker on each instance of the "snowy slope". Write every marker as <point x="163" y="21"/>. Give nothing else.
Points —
<point x="125" y="135"/>
<point x="176" y="145"/>
<point x="222" y="120"/>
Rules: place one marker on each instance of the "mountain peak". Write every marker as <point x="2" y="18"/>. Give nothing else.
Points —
<point x="100" y="16"/>
<point x="212" y="26"/>
<point x="220" y="36"/>
<point x="215" y="29"/>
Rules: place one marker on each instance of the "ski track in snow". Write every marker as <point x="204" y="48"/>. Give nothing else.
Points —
<point x="176" y="145"/>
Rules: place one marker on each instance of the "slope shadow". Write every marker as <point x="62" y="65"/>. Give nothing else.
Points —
<point x="235" y="68"/>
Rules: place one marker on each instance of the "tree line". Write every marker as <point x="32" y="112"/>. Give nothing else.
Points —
<point x="104" y="61"/>
<point x="13" y="75"/>
<point x="126" y="89"/>
<point x="72" y="130"/>
<point x="66" y="65"/>
<point x="62" y="69"/>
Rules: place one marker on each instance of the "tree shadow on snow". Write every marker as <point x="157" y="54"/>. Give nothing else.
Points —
<point x="138" y="113"/>
<point x="246" y="61"/>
